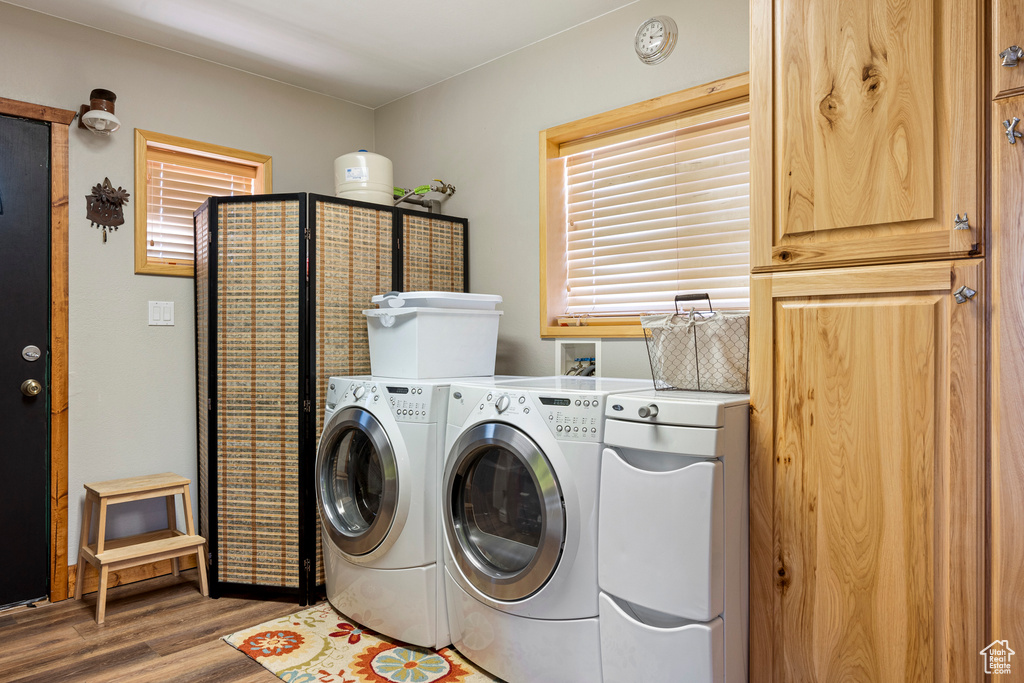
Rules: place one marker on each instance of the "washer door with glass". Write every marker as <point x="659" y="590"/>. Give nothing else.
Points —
<point x="504" y="515"/>
<point x="357" y="481"/>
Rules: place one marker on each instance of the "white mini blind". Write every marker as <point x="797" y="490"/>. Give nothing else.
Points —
<point x="177" y="184"/>
<point x="659" y="210"/>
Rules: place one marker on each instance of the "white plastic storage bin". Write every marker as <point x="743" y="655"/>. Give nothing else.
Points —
<point x="463" y="300"/>
<point x="662" y="650"/>
<point x="426" y="343"/>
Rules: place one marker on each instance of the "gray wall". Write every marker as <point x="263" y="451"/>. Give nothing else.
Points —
<point x="132" y="387"/>
<point x="132" y="405"/>
<point x="479" y="132"/>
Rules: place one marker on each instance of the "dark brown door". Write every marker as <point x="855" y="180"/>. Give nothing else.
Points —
<point x="24" y="358"/>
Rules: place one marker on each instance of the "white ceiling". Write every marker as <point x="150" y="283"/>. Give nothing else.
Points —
<point x="369" y="52"/>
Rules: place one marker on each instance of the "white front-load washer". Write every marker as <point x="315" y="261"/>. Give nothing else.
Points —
<point x="378" y="474"/>
<point x="520" y="494"/>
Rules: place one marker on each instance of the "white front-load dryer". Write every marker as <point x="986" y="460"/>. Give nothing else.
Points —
<point x="378" y="473"/>
<point x="520" y="493"/>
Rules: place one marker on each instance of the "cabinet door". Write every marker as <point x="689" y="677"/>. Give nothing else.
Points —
<point x="1007" y="33"/>
<point x="867" y="524"/>
<point x="1007" y="467"/>
<point x="866" y="131"/>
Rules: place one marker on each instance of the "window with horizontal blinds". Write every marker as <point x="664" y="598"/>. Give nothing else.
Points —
<point x="173" y="177"/>
<point x="177" y="185"/>
<point x="658" y="210"/>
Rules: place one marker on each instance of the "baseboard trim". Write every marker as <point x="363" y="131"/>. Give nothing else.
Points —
<point x="140" y="572"/>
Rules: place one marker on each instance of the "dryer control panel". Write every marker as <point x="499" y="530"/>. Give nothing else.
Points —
<point x="575" y="417"/>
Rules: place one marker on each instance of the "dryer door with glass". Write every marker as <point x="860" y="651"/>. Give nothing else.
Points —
<point x="503" y="512"/>
<point x="357" y="482"/>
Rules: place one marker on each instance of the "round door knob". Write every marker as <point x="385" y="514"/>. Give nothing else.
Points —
<point x="31" y="387"/>
<point x="501" y="404"/>
<point x="649" y="411"/>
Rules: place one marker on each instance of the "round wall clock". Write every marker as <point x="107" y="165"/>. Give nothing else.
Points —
<point x="655" y="39"/>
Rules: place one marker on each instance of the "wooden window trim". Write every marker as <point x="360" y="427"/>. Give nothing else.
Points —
<point x="157" y="145"/>
<point x="580" y="133"/>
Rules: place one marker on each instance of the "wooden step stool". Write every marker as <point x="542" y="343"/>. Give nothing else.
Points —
<point x="114" y="554"/>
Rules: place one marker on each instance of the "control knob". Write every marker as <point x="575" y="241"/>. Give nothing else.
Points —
<point x="648" y="411"/>
<point x="358" y="392"/>
<point x="501" y="405"/>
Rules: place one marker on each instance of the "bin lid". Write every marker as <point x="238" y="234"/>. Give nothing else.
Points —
<point x="437" y="300"/>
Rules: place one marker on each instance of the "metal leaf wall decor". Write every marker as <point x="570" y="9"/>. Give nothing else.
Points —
<point x="103" y="206"/>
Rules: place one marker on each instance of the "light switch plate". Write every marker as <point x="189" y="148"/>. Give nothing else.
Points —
<point x="161" y="312"/>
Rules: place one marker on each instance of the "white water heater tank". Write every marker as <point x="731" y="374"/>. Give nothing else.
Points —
<point x="365" y="177"/>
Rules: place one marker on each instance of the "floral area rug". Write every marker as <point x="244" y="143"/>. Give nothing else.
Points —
<point x="318" y="645"/>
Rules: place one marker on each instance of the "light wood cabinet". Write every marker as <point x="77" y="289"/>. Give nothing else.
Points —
<point x="867" y="474"/>
<point x="867" y="136"/>
<point x="1006" y="578"/>
<point x="1007" y="32"/>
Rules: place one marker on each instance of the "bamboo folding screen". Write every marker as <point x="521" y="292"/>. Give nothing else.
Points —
<point x="281" y="283"/>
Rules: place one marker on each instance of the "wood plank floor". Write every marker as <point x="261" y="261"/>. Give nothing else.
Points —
<point x="161" y="629"/>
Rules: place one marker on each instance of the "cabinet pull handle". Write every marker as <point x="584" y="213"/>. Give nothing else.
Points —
<point x="963" y="294"/>
<point x="1011" y="133"/>
<point x="960" y="223"/>
<point x="1011" y="54"/>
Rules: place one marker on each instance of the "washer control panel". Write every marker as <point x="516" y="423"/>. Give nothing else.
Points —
<point x="334" y="389"/>
<point x="358" y="392"/>
<point x="576" y="417"/>
<point x="409" y="402"/>
<point x="569" y="416"/>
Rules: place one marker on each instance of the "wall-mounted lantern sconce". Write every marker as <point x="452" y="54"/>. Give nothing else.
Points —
<point x="98" y="115"/>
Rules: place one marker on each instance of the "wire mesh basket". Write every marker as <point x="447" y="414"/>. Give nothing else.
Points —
<point x="698" y="351"/>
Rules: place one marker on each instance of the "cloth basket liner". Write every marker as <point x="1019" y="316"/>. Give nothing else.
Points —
<point x="696" y="351"/>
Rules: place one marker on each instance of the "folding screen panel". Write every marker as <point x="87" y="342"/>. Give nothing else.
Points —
<point x="281" y="283"/>
<point x="203" y="401"/>
<point x="434" y="253"/>
<point x="352" y="261"/>
<point x="249" y="291"/>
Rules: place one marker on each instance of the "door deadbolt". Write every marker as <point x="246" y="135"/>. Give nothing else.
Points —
<point x="31" y="387"/>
